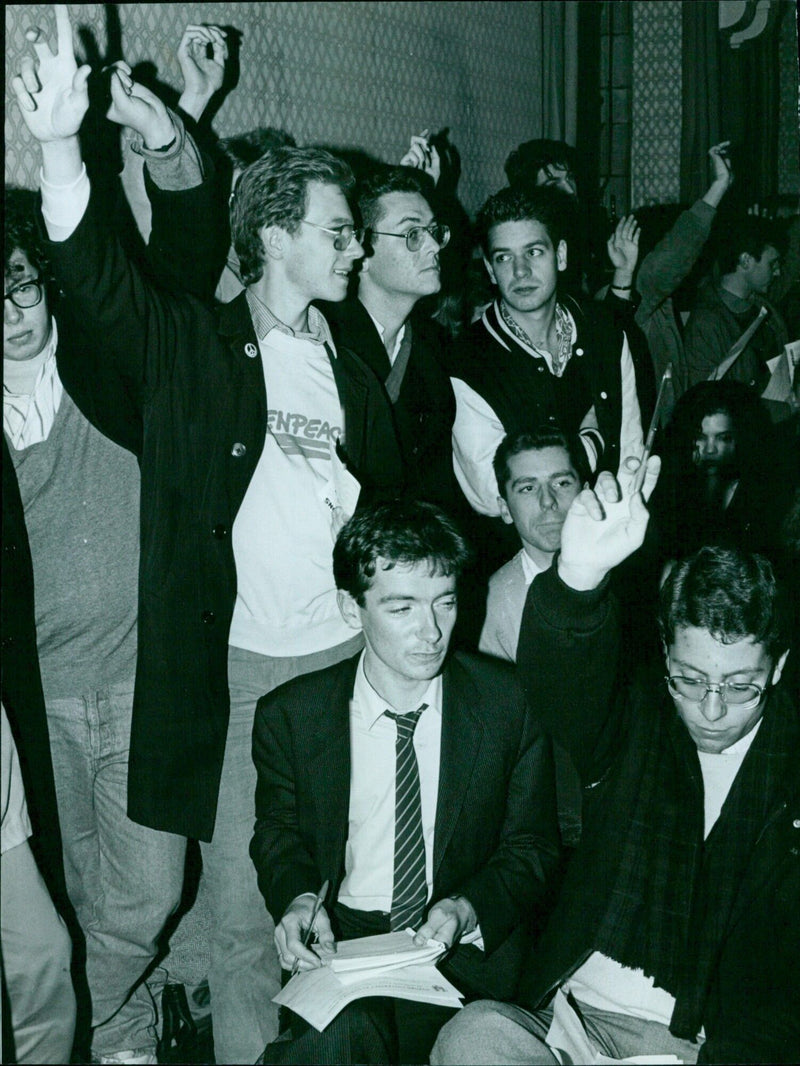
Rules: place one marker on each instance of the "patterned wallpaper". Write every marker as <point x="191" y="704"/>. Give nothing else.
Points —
<point x="789" y="124"/>
<point x="656" y="103"/>
<point x="349" y="74"/>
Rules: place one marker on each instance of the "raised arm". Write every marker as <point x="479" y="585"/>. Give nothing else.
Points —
<point x="53" y="97"/>
<point x="203" y="73"/>
<point x="666" y="266"/>
<point x="569" y="639"/>
<point x="423" y="156"/>
<point x="104" y="291"/>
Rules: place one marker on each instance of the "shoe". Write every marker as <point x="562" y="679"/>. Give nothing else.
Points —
<point x="134" y="1056"/>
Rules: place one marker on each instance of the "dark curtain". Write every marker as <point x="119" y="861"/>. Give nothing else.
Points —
<point x="700" y="125"/>
<point x="729" y="94"/>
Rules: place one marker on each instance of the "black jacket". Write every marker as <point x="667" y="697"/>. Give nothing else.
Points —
<point x="425" y="408"/>
<point x="179" y="383"/>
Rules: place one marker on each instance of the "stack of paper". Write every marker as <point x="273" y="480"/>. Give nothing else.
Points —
<point x="387" y="965"/>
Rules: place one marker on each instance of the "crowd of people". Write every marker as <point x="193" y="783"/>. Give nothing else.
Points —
<point x="453" y="566"/>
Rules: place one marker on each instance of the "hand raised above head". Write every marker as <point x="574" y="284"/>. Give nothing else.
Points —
<point x="623" y="244"/>
<point x="203" y="74"/>
<point x="423" y="156"/>
<point x="718" y="154"/>
<point x="606" y="524"/>
<point x="135" y="106"/>
<point x="51" y="90"/>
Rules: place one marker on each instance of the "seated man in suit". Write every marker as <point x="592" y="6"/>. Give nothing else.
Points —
<point x="464" y="841"/>
<point x="539" y="473"/>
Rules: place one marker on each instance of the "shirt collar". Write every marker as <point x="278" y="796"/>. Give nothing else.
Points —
<point x="264" y="321"/>
<point x="530" y="569"/>
<point x="368" y="706"/>
<point x="382" y="334"/>
<point x="565" y="328"/>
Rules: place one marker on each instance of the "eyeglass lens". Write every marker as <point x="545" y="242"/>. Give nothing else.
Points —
<point x="697" y="691"/>
<point x="26" y="295"/>
<point x="415" y="237"/>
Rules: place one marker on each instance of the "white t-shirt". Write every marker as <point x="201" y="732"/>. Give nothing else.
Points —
<point x="283" y="534"/>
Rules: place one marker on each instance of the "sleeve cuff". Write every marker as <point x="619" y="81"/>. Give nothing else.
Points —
<point x="63" y="206"/>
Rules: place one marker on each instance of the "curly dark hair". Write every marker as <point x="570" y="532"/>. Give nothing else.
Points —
<point x="550" y="207"/>
<point x="22" y="231"/>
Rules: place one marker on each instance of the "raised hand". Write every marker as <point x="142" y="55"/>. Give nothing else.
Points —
<point x="136" y="106"/>
<point x="51" y="91"/>
<point x="203" y="74"/>
<point x="623" y="244"/>
<point x="606" y="524"/>
<point x="721" y="164"/>
<point x="423" y="156"/>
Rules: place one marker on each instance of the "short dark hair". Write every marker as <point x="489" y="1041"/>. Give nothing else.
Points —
<point x="551" y="207"/>
<point x="401" y="531"/>
<point x="383" y="180"/>
<point x="22" y="232"/>
<point x="533" y="440"/>
<point x="273" y="191"/>
<point x="746" y="234"/>
<point x="730" y="593"/>
<point x="242" y="149"/>
<point x="527" y="159"/>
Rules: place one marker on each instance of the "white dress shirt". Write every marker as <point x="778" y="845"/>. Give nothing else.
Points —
<point x="369" y="857"/>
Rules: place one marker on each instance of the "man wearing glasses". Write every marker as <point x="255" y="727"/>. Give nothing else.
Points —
<point x="247" y="419"/>
<point x="676" y="930"/>
<point x="382" y="323"/>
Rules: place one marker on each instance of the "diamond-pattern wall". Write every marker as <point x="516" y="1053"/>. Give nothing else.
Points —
<point x="789" y="120"/>
<point x="656" y="103"/>
<point x="362" y="75"/>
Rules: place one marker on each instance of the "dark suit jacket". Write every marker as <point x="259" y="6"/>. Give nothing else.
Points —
<point x="495" y="839"/>
<point x="184" y="381"/>
<point x="425" y="409"/>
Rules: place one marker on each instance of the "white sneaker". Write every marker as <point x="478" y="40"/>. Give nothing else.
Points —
<point x="134" y="1056"/>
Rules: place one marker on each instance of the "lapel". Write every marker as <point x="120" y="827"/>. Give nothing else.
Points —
<point x="462" y="735"/>
<point x="328" y="764"/>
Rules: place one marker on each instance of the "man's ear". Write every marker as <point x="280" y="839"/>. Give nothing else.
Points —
<point x="561" y="255"/>
<point x="505" y="514"/>
<point x="273" y="239"/>
<point x="489" y="270"/>
<point x="777" y="669"/>
<point x="349" y="609"/>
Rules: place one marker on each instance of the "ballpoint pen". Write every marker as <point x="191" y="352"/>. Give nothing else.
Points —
<point x="319" y="900"/>
<point x="638" y="480"/>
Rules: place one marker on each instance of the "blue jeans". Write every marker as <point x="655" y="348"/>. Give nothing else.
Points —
<point x="244" y="972"/>
<point x="123" y="879"/>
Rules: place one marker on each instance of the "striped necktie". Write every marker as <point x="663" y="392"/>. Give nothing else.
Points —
<point x="410" y="887"/>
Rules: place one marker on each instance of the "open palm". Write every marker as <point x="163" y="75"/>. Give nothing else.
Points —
<point x="51" y="91"/>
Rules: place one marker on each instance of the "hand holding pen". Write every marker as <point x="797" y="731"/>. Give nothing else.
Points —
<point x="305" y="918"/>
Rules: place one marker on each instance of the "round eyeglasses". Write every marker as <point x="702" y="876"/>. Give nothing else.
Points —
<point x="415" y="237"/>
<point x="731" y="693"/>
<point x="342" y="235"/>
<point x="26" y="294"/>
